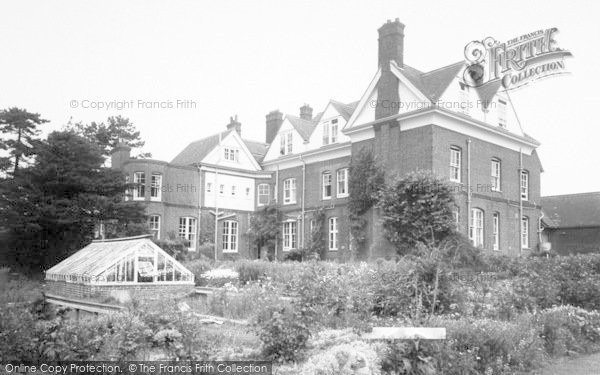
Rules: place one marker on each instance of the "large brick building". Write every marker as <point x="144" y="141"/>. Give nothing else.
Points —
<point x="408" y="119"/>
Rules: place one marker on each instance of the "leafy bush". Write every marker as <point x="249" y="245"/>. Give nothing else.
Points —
<point x="416" y="209"/>
<point x="568" y="329"/>
<point x="198" y="267"/>
<point x="284" y="334"/>
<point x="343" y="359"/>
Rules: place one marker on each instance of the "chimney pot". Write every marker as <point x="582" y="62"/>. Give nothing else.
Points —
<point x="234" y="124"/>
<point x="306" y="112"/>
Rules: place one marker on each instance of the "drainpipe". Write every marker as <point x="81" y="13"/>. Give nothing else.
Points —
<point x="468" y="185"/>
<point x="303" y="196"/>
<point x="200" y="193"/>
<point x="520" y="220"/>
<point x="277" y="205"/>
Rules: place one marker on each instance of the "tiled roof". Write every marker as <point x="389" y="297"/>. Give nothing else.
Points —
<point x="346" y="110"/>
<point x="304" y="127"/>
<point x="197" y="150"/>
<point x="572" y="210"/>
<point x="433" y="84"/>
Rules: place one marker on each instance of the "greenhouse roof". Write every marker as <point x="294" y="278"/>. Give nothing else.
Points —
<point x="91" y="262"/>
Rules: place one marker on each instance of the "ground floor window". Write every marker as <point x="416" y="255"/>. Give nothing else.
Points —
<point x="333" y="233"/>
<point x="230" y="236"/>
<point x="290" y="235"/>
<point x="155" y="226"/>
<point x="476" y="227"/>
<point x="187" y="231"/>
<point x="496" y="231"/>
<point x="525" y="232"/>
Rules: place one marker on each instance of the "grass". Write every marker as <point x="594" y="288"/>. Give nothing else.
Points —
<point x="584" y="365"/>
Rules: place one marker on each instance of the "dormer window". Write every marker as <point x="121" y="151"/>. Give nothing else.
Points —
<point x="286" y="144"/>
<point x="501" y="113"/>
<point x="330" y="132"/>
<point x="232" y="154"/>
<point x="464" y="99"/>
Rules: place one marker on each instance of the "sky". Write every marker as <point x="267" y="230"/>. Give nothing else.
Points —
<point x="206" y="61"/>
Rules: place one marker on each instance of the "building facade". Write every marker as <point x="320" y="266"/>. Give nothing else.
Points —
<point x="408" y="119"/>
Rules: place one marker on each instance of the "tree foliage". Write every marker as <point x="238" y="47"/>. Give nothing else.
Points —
<point x="52" y="207"/>
<point x="365" y="181"/>
<point x="107" y="135"/>
<point x="265" y="228"/>
<point x="19" y="129"/>
<point x="416" y="210"/>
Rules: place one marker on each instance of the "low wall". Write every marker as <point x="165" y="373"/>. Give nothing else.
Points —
<point x="145" y="291"/>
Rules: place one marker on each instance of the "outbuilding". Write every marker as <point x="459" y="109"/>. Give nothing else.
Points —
<point x="113" y="266"/>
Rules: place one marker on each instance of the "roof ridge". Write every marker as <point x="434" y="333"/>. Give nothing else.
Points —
<point x="139" y="237"/>
<point x="443" y="67"/>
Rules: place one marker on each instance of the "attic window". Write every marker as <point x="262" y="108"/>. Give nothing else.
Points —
<point x="501" y="113"/>
<point x="330" y="131"/>
<point x="286" y="144"/>
<point x="232" y="154"/>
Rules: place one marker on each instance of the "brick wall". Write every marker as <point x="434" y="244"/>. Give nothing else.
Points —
<point x="81" y="291"/>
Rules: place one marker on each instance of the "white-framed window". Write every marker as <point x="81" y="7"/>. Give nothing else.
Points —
<point x="221" y="189"/>
<point x="139" y="192"/>
<point x="333" y="233"/>
<point x="464" y="98"/>
<point x="456" y="218"/>
<point x="290" y="235"/>
<point x="289" y="191"/>
<point x="128" y="192"/>
<point x="496" y="172"/>
<point x="230" y="236"/>
<point x="501" y="113"/>
<point x="330" y="132"/>
<point x="264" y="194"/>
<point x="525" y="232"/>
<point x="455" y="164"/>
<point x="286" y="143"/>
<point x="342" y="182"/>
<point x="233" y="190"/>
<point x="209" y="187"/>
<point x="524" y="185"/>
<point x="155" y="187"/>
<point x="231" y="154"/>
<point x="187" y="231"/>
<point x="496" y="231"/>
<point x="476" y="227"/>
<point x="327" y="185"/>
<point x="154" y="224"/>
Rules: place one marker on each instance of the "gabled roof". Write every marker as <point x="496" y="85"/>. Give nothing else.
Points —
<point x="304" y="127"/>
<point x="345" y="110"/>
<point x="433" y="84"/>
<point x="198" y="150"/>
<point x="572" y="210"/>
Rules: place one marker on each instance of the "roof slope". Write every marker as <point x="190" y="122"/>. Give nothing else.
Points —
<point x="304" y="127"/>
<point x="197" y="150"/>
<point x="346" y="110"/>
<point x="433" y="84"/>
<point x="97" y="256"/>
<point x="572" y="210"/>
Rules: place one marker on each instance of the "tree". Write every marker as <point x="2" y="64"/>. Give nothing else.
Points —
<point x="265" y="228"/>
<point x="107" y="136"/>
<point x="366" y="179"/>
<point x="19" y="132"/>
<point x="51" y="208"/>
<point x="417" y="210"/>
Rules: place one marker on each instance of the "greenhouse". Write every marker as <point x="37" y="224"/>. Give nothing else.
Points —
<point x="118" y="264"/>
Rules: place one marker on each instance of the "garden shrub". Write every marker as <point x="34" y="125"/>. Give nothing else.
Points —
<point x="251" y="270"/>
<point x="568" y="329"/>
<point x="284" y="334"/>
<point x="343" y="359"/>
<point x="199" y="267"/>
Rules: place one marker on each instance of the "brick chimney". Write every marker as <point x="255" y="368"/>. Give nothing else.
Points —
<point x="119" y="155"/>
<point x="306" y="112"/>
<point x="391" y="48"/>
<point x="235" y="124"/>
<point x="274" y="121"/>
<point x="391" y="43"/>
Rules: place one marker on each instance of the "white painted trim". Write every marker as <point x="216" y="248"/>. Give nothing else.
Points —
<point x="363" y="100"/>
<point x="394" y="68"/>
<point x="315" y="156"/>
<point x="233" y="173"/>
